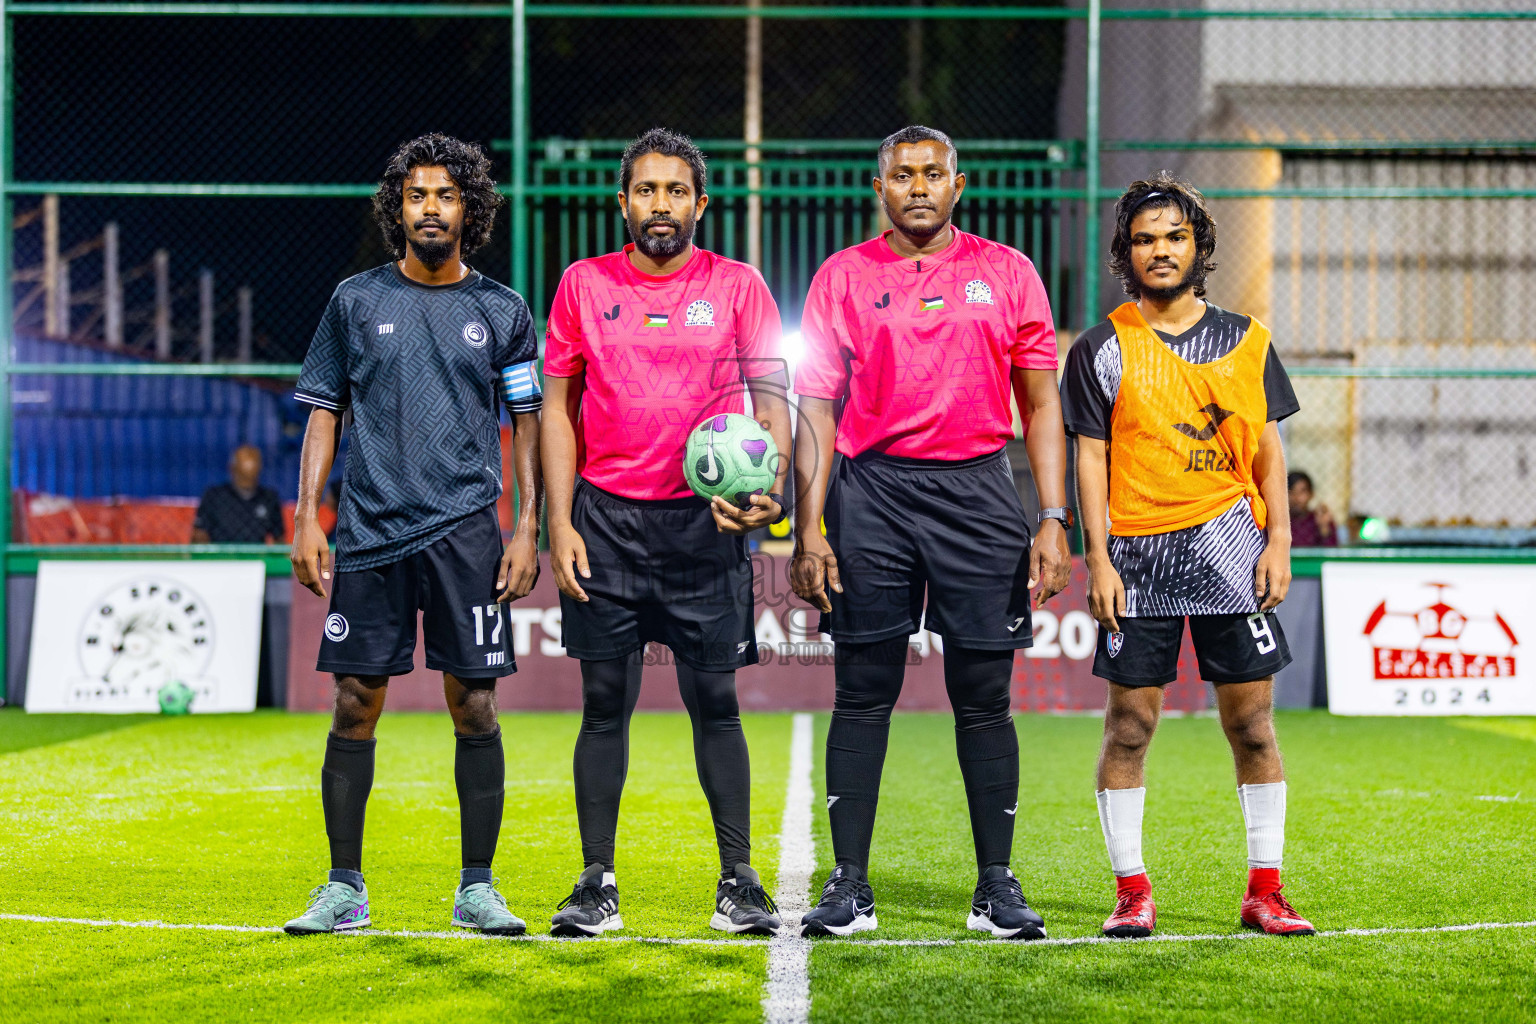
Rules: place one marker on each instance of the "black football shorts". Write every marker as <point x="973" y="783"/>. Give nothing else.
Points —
<point x="1236" y="648"/>
<point x="660" y="571"/>
<point x="950" y="531"/>
<point x="371" y="630"/>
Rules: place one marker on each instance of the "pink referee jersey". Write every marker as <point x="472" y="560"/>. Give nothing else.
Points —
<point x="660" y="355"/>
<point x="923" y="349"/>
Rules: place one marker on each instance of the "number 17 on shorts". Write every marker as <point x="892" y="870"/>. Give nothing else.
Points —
<point x="489" y="620"/>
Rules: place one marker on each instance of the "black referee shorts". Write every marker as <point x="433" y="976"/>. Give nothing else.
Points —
<point x="371" y="630"/>
<point x="660" y="571"/>
<point x="955" y="530"/>
<point x="1235" y="648"/>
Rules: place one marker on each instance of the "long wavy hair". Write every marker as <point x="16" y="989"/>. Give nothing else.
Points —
<point x="470" y="169"/>
<point x="1162" y="190"/>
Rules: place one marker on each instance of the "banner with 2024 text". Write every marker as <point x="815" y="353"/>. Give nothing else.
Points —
<point x="1429" y="638"/>
<point x="124" y="637"/>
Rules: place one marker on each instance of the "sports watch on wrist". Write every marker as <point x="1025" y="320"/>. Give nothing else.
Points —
<point x="778" y="499"/>
<point x="1063" y="515"/>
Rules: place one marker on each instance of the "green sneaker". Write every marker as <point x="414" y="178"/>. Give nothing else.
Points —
<point x="333" y="907"/>
<point x="480" y="906"/>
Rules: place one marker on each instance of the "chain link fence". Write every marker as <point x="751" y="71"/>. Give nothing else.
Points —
<point x="185" y="191"/>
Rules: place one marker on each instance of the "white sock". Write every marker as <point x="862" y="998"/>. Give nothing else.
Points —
<point x="1120" y="817"/>
<point x="609" y="878"/>
<point x="1264" y="812"/>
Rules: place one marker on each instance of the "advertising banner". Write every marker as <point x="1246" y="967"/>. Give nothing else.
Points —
<point x="1429" y="639"/>
<point x="123" y="637"/>
<point x="794" y="669"/>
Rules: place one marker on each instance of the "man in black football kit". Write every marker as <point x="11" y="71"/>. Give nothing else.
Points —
<point x="412" y="355"/>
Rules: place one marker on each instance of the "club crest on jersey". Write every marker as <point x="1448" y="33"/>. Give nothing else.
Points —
<point x="1115" y="643"/>
<point x="476" y="334"/>
<point x="978" y="291"/>
<point x="930" y="305"/>
<point x="654" y="320"/>
<point x="700" y="314"/>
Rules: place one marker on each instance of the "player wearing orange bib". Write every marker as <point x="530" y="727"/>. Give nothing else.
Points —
<point x="1175" y="404"/>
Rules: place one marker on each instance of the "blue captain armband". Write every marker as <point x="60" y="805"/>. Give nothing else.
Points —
<point x="520" y="388"/>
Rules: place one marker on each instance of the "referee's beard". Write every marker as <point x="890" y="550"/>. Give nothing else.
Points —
<point x="661" y="247"/>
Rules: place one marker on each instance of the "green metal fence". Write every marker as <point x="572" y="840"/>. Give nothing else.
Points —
<point x="1372" y="170"/>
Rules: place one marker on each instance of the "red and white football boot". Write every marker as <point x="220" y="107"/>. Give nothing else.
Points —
<point x="1267" y="910"/>
<point x="1135" y="914"/>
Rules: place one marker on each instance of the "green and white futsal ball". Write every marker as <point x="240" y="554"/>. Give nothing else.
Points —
<point x="730" y="456"/>
<point x="175" y="698"/>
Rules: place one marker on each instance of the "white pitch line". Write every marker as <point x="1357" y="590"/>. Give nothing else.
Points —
<point x="661" y="940"/>
<point x="379" y="933"/>
<point x="787" y="993"/>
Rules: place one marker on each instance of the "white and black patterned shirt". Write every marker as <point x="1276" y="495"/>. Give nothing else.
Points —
<point x="423" y="369"/>
<point x="1201" y="570"/>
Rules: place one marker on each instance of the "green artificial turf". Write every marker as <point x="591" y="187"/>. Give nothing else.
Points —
<point x="1404" y="823"/>
<point x="1391" y="823"/>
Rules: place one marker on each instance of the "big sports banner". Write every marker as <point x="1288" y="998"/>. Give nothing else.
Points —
<point x="108" y="637"/>
<point x="794" y="670"/>
<point x="1429" y="639"/>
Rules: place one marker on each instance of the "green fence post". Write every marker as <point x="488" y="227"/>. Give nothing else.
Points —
<point x="520" y="147"/>
<point x="1091" y="175"/>
<point x="6" y="139"/>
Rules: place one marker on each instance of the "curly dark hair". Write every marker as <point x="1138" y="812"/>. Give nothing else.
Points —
<point x="667" y="143"/>
<point x="470" y="169"/>
<point x="1160" y="191"/>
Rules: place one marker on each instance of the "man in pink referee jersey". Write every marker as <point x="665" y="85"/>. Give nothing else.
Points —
<point x="915" y="342"/>
<point x="642" y="346"/>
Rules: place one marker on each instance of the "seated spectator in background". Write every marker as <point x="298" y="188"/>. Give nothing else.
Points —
<point x="241" y="511"/>
<point x="1310" y="528"/>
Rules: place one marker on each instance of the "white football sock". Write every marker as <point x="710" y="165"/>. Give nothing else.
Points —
<point x="1120" y="818"/>
<point x="609" y="878"/>
<point x="1264" y="812"/>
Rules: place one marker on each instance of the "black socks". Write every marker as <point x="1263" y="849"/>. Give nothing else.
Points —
<point x="345" y="781"/>
<point x="479" y="772"/>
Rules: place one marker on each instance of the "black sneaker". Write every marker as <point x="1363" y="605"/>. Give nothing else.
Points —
<point x="847" y="905"/>
<point x="743" y="906"/>
<point x="999" y="908"/>
<point x="591" y="909"/>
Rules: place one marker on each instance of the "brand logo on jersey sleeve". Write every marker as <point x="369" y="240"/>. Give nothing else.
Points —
<point x="978" y="291"/>
<point x="386" y="328"/>
<point x="930" y="305"/>
<point x="700" y="314"/>
<point x="612" y="314"/>
<point x="885" y="300"/>
<point x="655" y="320"/>
<point x="476" y="334"/>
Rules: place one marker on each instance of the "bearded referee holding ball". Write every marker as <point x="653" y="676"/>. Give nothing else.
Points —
<point x="415" y="355"/>
<point x="1175" y="404"/>
<point x="915" y="343"/>
<point x="643" y="345"/>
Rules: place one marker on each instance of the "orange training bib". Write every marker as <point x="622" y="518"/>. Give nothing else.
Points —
<point x="1183" y="435"/>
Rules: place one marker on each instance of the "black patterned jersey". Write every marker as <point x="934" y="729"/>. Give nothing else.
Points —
<point x="421" y="369"/>
<point x="1205" y="569"/>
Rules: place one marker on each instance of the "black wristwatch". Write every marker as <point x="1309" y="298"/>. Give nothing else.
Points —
<point x="1063" y="515"/>
<point x="778" y="499"/>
